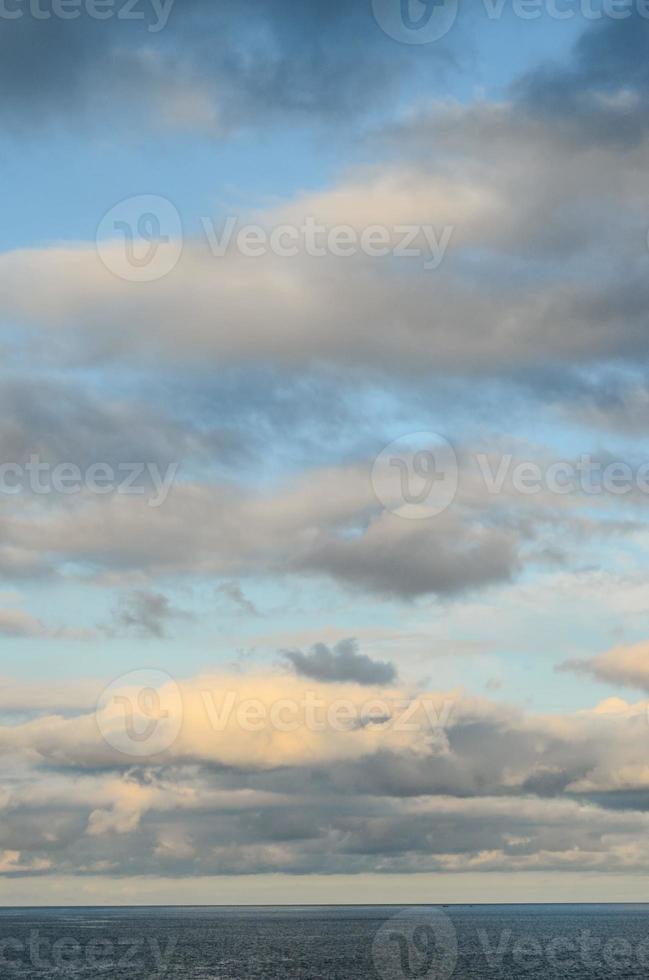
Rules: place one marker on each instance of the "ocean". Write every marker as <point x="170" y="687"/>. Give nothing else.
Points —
<point x="503" y="942"/>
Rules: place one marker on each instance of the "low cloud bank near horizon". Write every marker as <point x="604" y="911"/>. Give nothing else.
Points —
<point x="262" y="772"/>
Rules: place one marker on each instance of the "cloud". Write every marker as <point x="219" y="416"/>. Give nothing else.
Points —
<point x="194" y="65"/>
<point x="146" y="613"/>
<point x="552" y="293"/>
<point x="624" y="666"/>
<point x="482" y="786"/>
<point x="516" y="180"/>
<point x="325" y="522"/>
<point x="543" y="286"/>
<point x="20" y="623"/>
<point x="72" y="696"/>
<point x="300" y="527"/>
<point x="11" y="862"/>
<point x="342" y="663"/>
<point x="235" y="594"/>
<point x="89" y="427"/>
<point x="17" y="622"/>
<point x="599" y="96"/>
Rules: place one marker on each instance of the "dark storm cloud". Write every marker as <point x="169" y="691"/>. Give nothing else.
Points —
<point x="342" y="663"/>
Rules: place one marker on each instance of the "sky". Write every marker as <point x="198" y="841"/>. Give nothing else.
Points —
<point x="323" y="454"/>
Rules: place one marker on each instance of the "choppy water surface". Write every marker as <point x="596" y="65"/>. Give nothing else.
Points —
<point x="343" y="943"/>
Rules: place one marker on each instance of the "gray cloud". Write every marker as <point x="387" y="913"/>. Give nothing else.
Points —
<point x="212" y="67"/>
<point x="553" y="293"/>
<point x="528" y="186"/>
<point x="64" y="421"/>
<point x="298" y="528"/>
<point x="16" y="623"/>
<point x="450" y="557"/>
<point x="600" y="94"/>
<point x="235" y="594"/>
<point x="497" y="789"/>
<point x="342" y="663"/>
<point x="622" y="666"/>
<point x="146" y="613"/>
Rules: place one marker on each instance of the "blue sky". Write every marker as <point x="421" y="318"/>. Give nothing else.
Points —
<point x="280" y="556"/>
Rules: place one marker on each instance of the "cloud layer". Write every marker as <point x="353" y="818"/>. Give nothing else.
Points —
<point x="264" y="773"/>
<point x="266" y="387"/>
